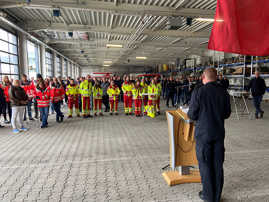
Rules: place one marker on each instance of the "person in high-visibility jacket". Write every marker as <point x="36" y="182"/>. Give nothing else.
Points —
<point x="42" y="96"/>
<point x="97" y="98"/>
<point x="158" y="97"/>
<point x="152" y="94"/>
<point x="72" y="92"/>
<point x="113" y="92"/>
<point x="145" y="92"/>
<point x="137" y="96"/>
<point x="56" y="96"/>
<point x="86" y="91"/>
<point x="127" y="87"/>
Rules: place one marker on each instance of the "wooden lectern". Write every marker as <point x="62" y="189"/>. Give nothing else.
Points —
<point x="182" y="149"/>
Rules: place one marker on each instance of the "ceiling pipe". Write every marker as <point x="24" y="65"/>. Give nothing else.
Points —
<point x="11" y="24"/>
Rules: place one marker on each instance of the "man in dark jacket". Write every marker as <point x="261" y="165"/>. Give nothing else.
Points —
<point x="258" y="87"/>
<point x="224" y="82"/>
<point x="171" y="91"/>
<point x="105" y="84"/>
<point x="210" y="106"/>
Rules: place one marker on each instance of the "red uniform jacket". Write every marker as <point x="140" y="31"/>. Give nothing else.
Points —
<point x="6" y="89"/>
<point x="43" y="97"/>
<point x="29" y="88"/>
<point x="57" y="94"/>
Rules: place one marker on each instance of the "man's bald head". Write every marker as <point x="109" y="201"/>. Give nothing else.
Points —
<point x="209" y="75"/>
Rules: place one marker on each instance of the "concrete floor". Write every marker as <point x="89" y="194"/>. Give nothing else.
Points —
<point x="120" y="159"/>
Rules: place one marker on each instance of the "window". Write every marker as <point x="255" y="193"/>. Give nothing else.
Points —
<point x="71" y="70"/>
<point x="33" y="59"/>
<point x="49" y="66"/>
<point x="8" y="55"/>
<point x="65" y="69"/>
<point x="58" y="66"/>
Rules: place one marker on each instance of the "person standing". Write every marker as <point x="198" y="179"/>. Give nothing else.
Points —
<point x="34" y="84"/>
<point x="2" y="102"/>
<point x="72" y="92"/>
<point x="145" y="94"/>
<point x="224" y="82"/>
<point x="152" y="95"/>
<point x="57" y="94"/>
<point x="97" y="98"/>
<point x="42" y="96"/>
<point x="209" y="107"/>
<point x="158" y="96"/>
<point x="171" y="90"/>
<point x="127" y="87"/>
<point x="19" y="100"/>
<point x="257" y="87"/>
<point x="29" y="90"/>
<point x="6" y="86"/>
<point x="137" y="96"/>
<point x="85" y="91"/>
<point x="105" y="84"/>
<point x="113" y="91"/>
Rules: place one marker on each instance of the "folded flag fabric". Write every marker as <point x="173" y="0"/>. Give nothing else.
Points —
<point x="241" y="26"/>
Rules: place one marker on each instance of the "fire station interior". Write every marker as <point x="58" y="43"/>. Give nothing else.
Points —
<point x="121" y="158"/>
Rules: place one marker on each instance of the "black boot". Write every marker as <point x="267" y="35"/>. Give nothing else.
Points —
<point x="262" y="114"/>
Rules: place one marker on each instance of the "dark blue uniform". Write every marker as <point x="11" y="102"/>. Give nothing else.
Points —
<point x="210" y="106"/>
<point x="258" y="87"/>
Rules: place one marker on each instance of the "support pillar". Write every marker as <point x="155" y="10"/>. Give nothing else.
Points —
<point x="23" y="62"/>
<point x="43" y="70"/>
<point x="54" y="66"/>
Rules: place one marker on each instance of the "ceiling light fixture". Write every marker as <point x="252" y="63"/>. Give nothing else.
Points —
<point x="106" y="65"/>
<point x="114" y="46"/>
<point x="108" y="62"/>
<point x="141" y="58"/>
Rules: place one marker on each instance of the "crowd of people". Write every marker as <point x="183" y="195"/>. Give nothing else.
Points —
<point x="179" y="90"/>
<point x="87" y="94"/>
<point x="45" y="95"/>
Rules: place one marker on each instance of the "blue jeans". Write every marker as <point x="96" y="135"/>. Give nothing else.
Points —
<point x="28" y="108"/>
<point x="57" y="108"/>
<point x="52" y="107"/>
<point x="257" y="104"/>
<point x="44" y="113"/>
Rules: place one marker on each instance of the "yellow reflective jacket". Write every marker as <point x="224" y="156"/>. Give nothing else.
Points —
<point x="137" y="93"/>
<point x="152" y="91"/>
<point x="97" y="92"/>
<point x="72" y="90"/>
<point x="145" y="87"/>
<point x="85" y="88"/>
<point x="113" y="92"/>
<point x="159" y="86"/>
<point x="127" y="88"/>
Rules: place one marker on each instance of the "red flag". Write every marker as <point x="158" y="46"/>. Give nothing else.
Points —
<point x="241" y="26"/>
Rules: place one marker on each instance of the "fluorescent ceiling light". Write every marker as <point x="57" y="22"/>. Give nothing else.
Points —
<point x="208" y="20"/>
<point x="108" y="62"/>
<point x="106" y="65"/>
<point x="114" y="46"/>
<point x="141" y="58"/>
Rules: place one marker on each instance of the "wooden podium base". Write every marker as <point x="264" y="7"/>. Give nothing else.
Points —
<point x="174" y="178"/>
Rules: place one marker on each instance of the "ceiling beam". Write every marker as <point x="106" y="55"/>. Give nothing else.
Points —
<point x="61" y="27"/>
<point x="123" y="8"/>
<point x="90" y="45"/>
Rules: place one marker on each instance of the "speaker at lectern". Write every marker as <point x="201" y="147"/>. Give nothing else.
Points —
<point x="183" y="161"/>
